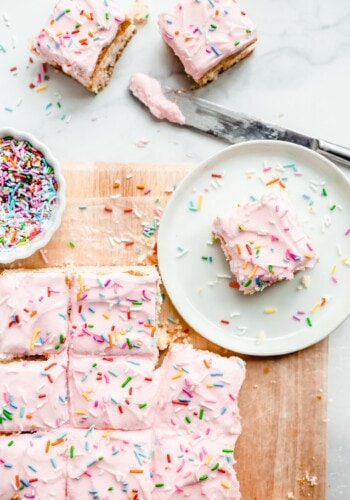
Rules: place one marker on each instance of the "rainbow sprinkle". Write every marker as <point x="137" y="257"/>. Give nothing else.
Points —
<point x="28" y="192"/>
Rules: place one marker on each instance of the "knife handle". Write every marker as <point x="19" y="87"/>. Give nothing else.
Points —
<point x="334" y="152"/>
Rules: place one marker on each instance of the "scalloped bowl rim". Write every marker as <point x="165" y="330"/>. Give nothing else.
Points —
<point x="22" y="252"/>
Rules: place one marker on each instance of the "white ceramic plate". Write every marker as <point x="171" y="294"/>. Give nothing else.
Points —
<point x="199" y="288"/>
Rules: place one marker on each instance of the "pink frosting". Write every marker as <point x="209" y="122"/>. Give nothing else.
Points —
<point x="197" y="425"/>
<point x="181" y="460"/>
<point x="76" y="33"/>
<point x="34" y="312"/>
<point x="125" y="464"/>
<point x="264" y="242"/>
<point x="112" y="392"/>
<point x="114" y="313"/>
<point x="196" y="380"/>
<point x="203" y="33"/>
<point x="40" y="467"/>
<point x="149" y="91"/>
<point x="35" y="394"/>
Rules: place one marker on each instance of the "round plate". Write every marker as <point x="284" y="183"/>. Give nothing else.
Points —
<point x="196" y="274"/>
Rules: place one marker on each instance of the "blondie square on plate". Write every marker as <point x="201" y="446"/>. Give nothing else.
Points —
<point x="264" y="242"/>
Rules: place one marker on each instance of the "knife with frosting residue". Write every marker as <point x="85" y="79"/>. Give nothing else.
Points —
<point x="185" y="109"/>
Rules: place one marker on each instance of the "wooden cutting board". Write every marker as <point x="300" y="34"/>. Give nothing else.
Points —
<point x="282" y="449"/>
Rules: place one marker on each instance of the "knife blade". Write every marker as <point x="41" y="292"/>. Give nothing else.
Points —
<point x="235" y="127"/>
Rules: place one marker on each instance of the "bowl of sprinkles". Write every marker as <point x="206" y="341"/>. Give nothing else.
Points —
<point x="32" y="195"/>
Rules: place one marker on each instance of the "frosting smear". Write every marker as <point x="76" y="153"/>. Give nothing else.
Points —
<point x="149" y="91"/>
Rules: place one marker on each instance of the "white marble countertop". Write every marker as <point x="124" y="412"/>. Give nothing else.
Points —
<point x="299" y="76"/>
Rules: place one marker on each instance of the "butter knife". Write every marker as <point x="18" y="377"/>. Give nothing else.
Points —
<point x="237" y="127"/>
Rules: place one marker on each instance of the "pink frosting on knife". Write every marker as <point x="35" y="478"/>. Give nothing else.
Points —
<point x="76" y="33"/>
<point x="149" y="91"/>
<point x="203" y="33"/>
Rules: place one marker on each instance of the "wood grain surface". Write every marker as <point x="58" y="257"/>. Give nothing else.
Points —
<point x="282" y="450"/>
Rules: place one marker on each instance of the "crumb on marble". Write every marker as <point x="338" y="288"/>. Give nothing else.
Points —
<point x="304" y="282"/>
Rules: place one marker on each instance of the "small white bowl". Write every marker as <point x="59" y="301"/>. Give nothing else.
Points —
<point x="53" y="223"/>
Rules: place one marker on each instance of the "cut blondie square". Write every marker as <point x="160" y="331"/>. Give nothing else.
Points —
<point x="114" y="311"/>
<point x="112" y="392"/>
<point x="109" y="464"/>
<point x="189" y="466"/>
<point x="199" y="392"/>
<point x="33" y="313"/>
<point x="208" y="37"/>
<point x="33" y="466"/>
<point x="84" y="40"/>
<point x="33" y="394"/>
